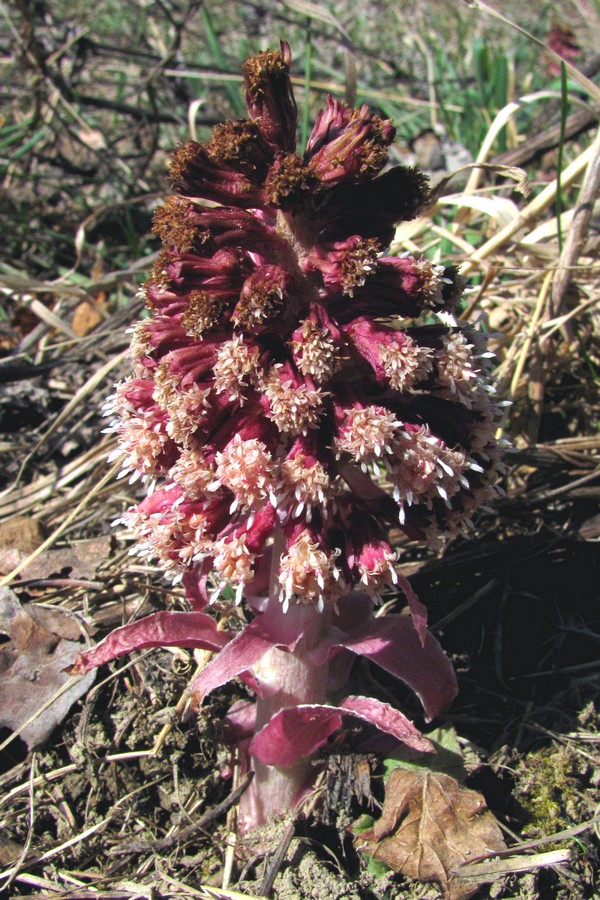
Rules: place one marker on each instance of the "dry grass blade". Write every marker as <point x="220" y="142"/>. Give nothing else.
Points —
<point x="547" y="230"/>
<point x="530" y="213"/>
<point x="179" y="835"/>
<point x="508" y="861"/>
<point x="12" y="874"/>
<point x="82" y="394"/>
<point x="522" y="352"/>
<point x="494" y="868"/>
<point x="78" y="838"/>
<point x="225" y="894"/>
<point x="40" y="780"/>
<point x="559" y="322"/>
<point x="98" y="215"/>
<point x="513" y="172"/>
<point x="56" y="851"/>
<point x="25" y="284"/>
<point x="51" y="319"/>
<point x="501" y="120"/>
<point x="49" y="489"/>
<point x="577" y="123"/>
<point x="319" y="13"/>
<point x="208" y="892"/>
<point x="96" y="489"/>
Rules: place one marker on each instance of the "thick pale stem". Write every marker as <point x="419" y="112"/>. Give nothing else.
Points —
<point x="278" y="788"/>
<point x="294" y="679"/>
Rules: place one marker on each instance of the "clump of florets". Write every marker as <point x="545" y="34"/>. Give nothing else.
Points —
<point x="293" y="378"/>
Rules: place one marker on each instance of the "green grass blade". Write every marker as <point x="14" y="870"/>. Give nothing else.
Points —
<point x="305" y="123"/>
<point x="31" y="142"/>
<point x="235" y="97"/>
<point x="561" y="145"/>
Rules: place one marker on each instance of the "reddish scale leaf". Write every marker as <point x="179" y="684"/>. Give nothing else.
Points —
<point x="299" y="731"/>
<point x="195" y="630"/>
<point x="266" y="631"/>
<point x="392" y="642"/>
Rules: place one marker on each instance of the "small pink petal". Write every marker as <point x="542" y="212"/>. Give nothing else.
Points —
<point x="162" y="629"/>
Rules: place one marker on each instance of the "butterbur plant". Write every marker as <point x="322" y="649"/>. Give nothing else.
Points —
<point x="295" y="395"/>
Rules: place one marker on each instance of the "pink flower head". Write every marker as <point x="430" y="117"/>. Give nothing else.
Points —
<point x="295" y="395"/>
<point x="281" y="302"/>
<point x="348" y="144"/>
<point x="562" y="40"/>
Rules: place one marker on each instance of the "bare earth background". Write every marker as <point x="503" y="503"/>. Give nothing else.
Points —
<point x="110" y="788"/>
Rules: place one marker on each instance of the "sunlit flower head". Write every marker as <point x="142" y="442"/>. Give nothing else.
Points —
<point x="293" y="381"/>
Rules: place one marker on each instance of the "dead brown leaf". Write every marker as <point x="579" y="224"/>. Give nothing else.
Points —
<point x="86" y="316"/>
<point x="78" y="561"/>
<point x="9" y="851"/>
<point x="21" y="533"/>
<point x="42" y="642"/>
<point x="430" y="825"/>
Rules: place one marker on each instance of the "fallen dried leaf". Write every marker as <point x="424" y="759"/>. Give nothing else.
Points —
<point x="78" y="561"/>
<point x="430" y="825"/>
<point x="87" y="315"/>
<point x="9" y="851"/>
<point x="21" y="533"/>
<point x="32" y="661"/>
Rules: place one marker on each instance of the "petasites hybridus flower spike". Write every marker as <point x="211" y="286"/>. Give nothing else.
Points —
<point x="295" y="395"/>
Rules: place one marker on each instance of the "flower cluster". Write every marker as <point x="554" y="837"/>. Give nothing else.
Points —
<point x="287" y="378"/>
<point x="295" y="395"/>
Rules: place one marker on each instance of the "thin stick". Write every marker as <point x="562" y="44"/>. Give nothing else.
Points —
<point x="577" y="229"/>
<point x="47" y="777"/>
<point x="23" y="855"/>
<point x="55" y="850"/>
<point x="231" y="838"/>
<point x="167" y="843"/>
<point x="494" y="868"/>
<point x="266" y="885"/>
<point x="533" y="323"/>
<point x="502" y="118"/>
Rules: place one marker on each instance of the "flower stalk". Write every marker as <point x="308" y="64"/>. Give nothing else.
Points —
<point x="295" y="395"/>
<point x="296" y="680"/>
